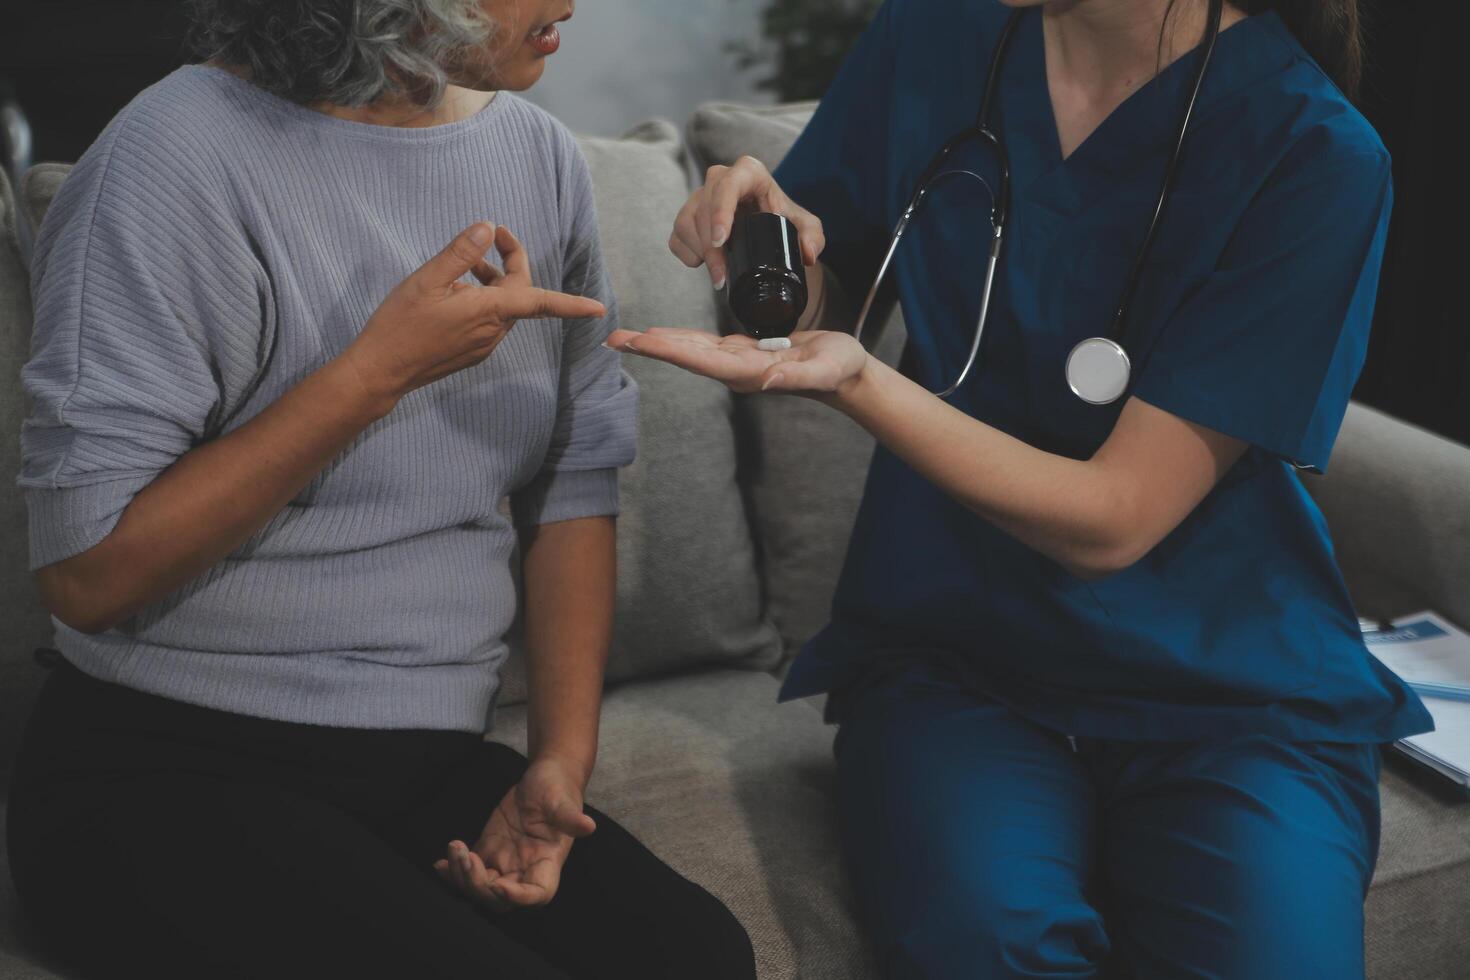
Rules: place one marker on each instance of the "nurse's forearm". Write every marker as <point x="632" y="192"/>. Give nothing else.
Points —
<point x="1046" y="501"/>
<point x="1094" y="517"/>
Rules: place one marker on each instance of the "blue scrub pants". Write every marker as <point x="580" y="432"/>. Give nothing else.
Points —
<point x="985" y="846"/>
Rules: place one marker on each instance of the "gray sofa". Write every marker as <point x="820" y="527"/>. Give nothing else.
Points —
<point x="735" y="521"/>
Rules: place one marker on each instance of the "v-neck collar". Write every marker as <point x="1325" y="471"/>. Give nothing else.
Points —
<point x="1147" y="119"/>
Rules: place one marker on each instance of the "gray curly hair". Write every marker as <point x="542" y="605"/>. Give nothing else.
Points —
<point x="347" y="52"/>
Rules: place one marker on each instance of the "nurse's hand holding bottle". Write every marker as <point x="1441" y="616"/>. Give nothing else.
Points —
<point x="1092" y="516"/>
<point x="819" y="363"/>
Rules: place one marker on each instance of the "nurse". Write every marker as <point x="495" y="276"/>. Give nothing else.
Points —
<point x="1103" y="700"/>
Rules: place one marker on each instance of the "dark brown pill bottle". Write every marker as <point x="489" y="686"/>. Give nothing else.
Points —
<point x="767" y="280"/>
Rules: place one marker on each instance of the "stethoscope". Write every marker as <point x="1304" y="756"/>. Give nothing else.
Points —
<point x="1098" y="368"/>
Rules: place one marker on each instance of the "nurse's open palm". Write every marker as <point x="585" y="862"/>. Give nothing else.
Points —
<point x="518" y="857"/>
<point x="819" y="362"/>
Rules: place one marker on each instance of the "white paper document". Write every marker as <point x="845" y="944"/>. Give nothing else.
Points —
<point x="1425" y="650"/>
<point x="1447" y="748"/>
<point x="1433" y="656"/>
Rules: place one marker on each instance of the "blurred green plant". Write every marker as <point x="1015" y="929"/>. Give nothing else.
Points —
<point x="803" y="43"/>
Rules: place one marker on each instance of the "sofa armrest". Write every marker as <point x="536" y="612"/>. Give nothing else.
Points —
<point x="1397" y="499"/>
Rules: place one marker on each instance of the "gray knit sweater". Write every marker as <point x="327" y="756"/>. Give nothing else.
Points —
<point x="215" y="246"/>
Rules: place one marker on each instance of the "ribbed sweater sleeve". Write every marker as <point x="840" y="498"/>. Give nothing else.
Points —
<point x="596" y="423"/>
<point x="151" y="314"/>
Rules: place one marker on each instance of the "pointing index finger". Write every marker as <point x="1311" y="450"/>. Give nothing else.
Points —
<point x="530" y="303"/>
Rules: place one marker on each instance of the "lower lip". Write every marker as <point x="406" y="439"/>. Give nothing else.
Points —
<point x="547" y="41"/>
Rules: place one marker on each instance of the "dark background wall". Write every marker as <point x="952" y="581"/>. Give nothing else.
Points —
<point x="1419" y="358"/>
<point x="74" y="63"/>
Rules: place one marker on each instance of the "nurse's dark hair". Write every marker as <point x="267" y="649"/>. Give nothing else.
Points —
<point x="1330" y="30"/>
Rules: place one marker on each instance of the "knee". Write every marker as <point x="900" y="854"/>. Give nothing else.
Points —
<point x="674" y="933"/>
<point x="716" y="945"/>
<point x="678" y="934"/>
<point x="1002" y="940"/>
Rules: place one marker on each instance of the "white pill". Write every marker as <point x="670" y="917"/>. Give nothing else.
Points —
<point x="775" y="343"/>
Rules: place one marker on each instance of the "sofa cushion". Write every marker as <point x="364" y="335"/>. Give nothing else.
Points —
<point x="1398" y="501"/>
<point x="710" y="758"/>
<point x="1395" y="499"/>
<point x="688" y="590"/>
<point x="735" y="792"/>
<point x="722" y="132"/>
<point x="804" y="464"/>
<point x="23" y="626"/>
<point x="37" y="187"/>
<point x="1420" y="900"/>
<point x="683" y="530"/>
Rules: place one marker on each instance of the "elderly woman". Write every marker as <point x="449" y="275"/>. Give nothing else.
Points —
<point x="281" y="391"/>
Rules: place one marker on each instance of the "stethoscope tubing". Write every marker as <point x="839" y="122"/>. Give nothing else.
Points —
<point x="1171" y="174"/>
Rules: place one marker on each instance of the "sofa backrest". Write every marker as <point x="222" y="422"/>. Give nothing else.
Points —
<point x="803" y="465"/>
<point x="1398" y="501"/>
<point x="689" y="592"/>
<point x="23" y="624"/>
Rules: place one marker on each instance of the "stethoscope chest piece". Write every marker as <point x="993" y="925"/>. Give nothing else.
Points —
<point x="1097" y="370"/>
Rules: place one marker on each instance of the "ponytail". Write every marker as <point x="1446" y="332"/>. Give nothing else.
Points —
<point x="1330" y="30"/>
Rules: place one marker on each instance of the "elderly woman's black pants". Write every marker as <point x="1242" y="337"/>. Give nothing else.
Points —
<point x="150" y="838"/>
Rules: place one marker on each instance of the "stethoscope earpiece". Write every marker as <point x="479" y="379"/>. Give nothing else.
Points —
<point x="1098" y="370"/>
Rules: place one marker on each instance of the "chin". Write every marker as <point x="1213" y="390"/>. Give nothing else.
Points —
<point x="511" y="75"/>
<point x="521" y="77"/>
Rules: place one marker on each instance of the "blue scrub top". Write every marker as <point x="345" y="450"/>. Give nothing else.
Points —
<point x="1252" y="319"/>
